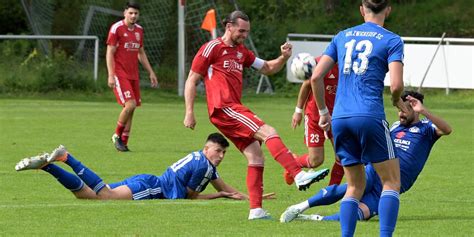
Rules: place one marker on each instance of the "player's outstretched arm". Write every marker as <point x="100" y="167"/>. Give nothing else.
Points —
<point x="189" y="96"/>
<point x="275" y="65"/>
<point x="299" y="109"/>
<point x="442" y="127"/>
<point x="146" y="64"/>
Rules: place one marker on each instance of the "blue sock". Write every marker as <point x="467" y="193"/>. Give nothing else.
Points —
<point x="348" y="215"/>
<point x="88" y="176"/>
<point x="388" y="211"/>
<point x="335" y="217"/>
<point x="68" y="180"/>
<point x="328" y="195"/>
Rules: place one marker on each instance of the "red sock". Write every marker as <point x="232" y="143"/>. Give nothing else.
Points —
<point x="119" y="129"/>
<point x="303" y="161"/>
<point x="125" y="136"/>
<point x="255" y="185"/>
<point x="337" y="173"/>
<point x="282" y="155"/>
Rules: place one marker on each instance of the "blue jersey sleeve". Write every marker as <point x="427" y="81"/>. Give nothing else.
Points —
<point x="395" y="51"/>
<point x="331" y="50"/>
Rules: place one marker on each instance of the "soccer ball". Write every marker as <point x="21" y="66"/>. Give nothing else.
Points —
<point x="302" y="66"/>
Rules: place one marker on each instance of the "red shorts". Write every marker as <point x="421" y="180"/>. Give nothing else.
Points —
<point x="126" y="90"/>
<point x="237" y="123"/>
<point x="313" y="134"/>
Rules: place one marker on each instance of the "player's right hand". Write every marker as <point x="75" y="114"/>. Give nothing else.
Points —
<point x="189" y="121"/>
<point x="111" y="81"/>
<point x="296" y="120"/>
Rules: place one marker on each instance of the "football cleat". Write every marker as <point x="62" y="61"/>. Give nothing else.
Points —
<point x="119" y="144"/>
<point x="304" y="179"/>
<point x="313" y="217"/>
<point x="30" y="163"/>
<point x="290" y="214"/>
<point x="259" y="214"/>
<point x="58" y="154"/>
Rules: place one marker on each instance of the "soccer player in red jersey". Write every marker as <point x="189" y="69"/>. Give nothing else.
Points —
<point x="314" y="136"/>
<point x="220" y="64"/>
<point x="124" y="50"/>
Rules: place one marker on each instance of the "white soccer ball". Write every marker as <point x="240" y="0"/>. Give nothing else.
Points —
<point x="302" y="66"/>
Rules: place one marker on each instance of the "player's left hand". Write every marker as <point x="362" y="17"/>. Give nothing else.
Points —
<point x="325" y="122"/>
<point x="153" y="80"/>
<point x="286" y="50"/>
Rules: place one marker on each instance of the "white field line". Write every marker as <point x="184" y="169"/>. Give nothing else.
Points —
<point x="98" y="203"/>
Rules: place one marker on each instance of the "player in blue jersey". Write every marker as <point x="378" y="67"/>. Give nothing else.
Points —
<point x="186" y="178"/>
<point x="413" y="139"/>
<point x="364" y="53"/>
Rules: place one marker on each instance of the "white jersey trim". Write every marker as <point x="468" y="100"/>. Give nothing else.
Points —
<point x="207" y="51"/>
<point x="241" y="118"/>
<point x="114" y="27"/>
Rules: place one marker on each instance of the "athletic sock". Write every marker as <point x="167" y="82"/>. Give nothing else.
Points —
<point x="336" y="217"/>
<point x="303" y="161"/>
<point x="88" y="176"/>
<point x="255" y="185"/>
<point x="337" y="172"/>
<point x="125" y="136"/>
<point x="68" y="180"/>
<point x="328" y="195"/>
<point x="302" y="206"/>
<point x="388" y="211"/>
<point x="282" y="155"/>
<point x="348" y="215"/>
<point x="119" y="129"/>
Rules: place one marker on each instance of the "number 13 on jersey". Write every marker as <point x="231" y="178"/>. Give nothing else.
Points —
<point x="359" y="65"/>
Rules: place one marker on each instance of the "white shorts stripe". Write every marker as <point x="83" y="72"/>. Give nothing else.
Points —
<point x="391" y="153"/>
<point x="119" y="90"/>
<point x="147" y="192"/>
<point x="249" y="123"/>
<point x="209" y="48"/>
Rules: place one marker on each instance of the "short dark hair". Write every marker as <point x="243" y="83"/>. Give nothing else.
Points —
<point x="413" y="94"/>
<point x="375" y="6"/>
<point x="218" y="138"/>
<point x="233" y="16"/>
<point x="132" y="4"/>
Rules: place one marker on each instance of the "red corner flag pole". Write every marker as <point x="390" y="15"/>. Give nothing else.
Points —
<point x="209" y="23"/>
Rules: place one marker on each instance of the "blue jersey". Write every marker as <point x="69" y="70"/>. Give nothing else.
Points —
<point x="412" y="146"/>
<point x="363" y="53"/>
<point x="193" y="171"/>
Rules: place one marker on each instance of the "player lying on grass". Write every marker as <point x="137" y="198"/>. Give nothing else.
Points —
<point x="413" y="139"/>
<point x="186" y="178"/>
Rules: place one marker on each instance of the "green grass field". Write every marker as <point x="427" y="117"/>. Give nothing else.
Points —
<point x="32" y="203"/>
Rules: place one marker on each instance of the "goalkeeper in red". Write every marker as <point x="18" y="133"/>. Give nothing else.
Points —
<point x="314" y="136"/>
<point x="220" y="63"/>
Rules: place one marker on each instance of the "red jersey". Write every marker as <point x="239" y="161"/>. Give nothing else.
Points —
<point x="222" y="67"/>
<point x="128" y="42"/>
<point x="330" y="87"/>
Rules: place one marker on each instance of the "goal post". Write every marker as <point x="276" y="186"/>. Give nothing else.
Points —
<point x="63" y="37"/>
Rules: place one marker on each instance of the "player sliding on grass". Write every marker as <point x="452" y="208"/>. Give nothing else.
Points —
<point x="186" y="178"/>
<point x="413" y="139"/>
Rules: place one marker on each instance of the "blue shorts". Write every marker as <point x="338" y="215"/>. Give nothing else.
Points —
<point x="373" y="190"/>
<point x="360" y="140"/>
<point x="143" y="186"/>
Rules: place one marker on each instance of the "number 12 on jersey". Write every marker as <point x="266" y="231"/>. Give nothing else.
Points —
<point x="363" y="49"/>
